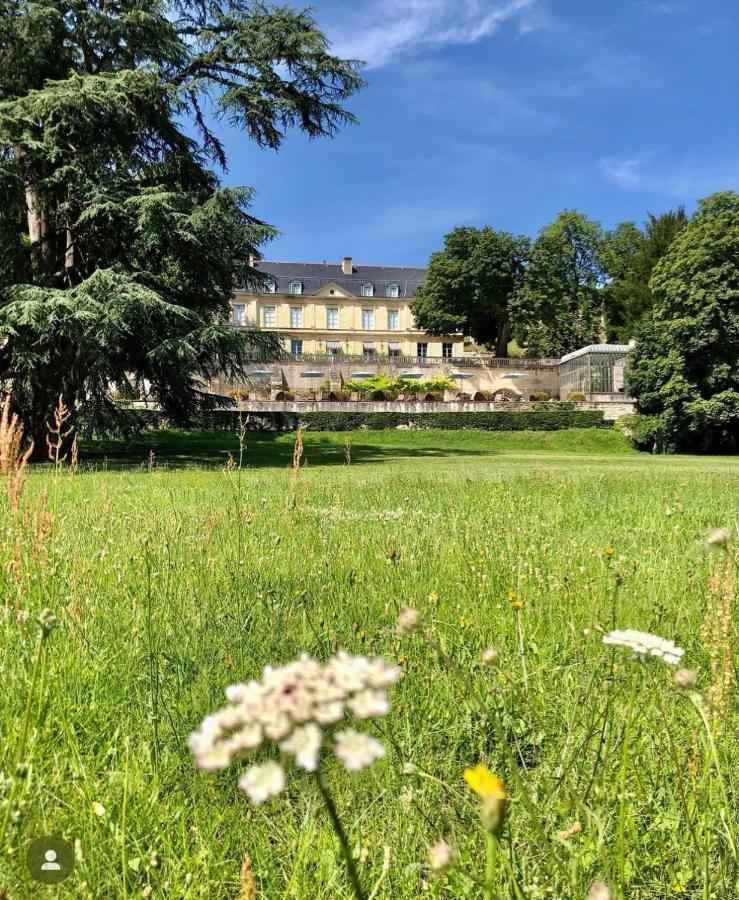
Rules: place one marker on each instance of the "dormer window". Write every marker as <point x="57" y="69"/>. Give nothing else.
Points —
<point x="270" y="286"/>
<point x="368" y="290"/>
<point x="393" y="291"/>
<point x="296" y="287"/>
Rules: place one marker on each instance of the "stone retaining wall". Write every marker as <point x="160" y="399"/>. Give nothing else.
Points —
<point x="611" y="411"/>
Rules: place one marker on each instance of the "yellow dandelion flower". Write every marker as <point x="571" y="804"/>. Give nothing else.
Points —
<point x="486" y="785"/>
<point x="608" y="551"/>
<point x="493" y="796"/>
<point x="512" y="595"/>
<point x="517" y="604"/>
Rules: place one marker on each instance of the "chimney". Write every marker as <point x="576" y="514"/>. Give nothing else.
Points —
<point x="347" y="266"/>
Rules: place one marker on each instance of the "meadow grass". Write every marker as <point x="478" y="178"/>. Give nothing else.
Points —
<point x="171" y="578"/>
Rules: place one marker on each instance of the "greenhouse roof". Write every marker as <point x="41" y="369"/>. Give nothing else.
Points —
<point x="596" y="348"/>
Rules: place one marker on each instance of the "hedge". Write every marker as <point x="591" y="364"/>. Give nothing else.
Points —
<point x="502" y="420"/>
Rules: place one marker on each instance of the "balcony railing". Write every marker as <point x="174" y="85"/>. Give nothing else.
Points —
<point x="465" y="362"/>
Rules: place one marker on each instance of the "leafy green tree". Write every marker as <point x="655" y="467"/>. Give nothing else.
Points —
<point x="119" y="248"/>
<point x="559" y="305"/>
<point x="470" y="284"/>
<point x="685" y="368"/>
<point x="630" y="255"/>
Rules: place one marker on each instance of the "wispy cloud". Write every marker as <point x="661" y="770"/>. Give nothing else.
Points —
<point x="663" y="7"/>
<point x="683" y="179"/>
<point x="388" y="31"/>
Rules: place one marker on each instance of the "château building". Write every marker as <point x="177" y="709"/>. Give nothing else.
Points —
<point x="341" y="310"/>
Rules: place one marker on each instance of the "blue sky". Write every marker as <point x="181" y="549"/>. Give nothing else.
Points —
<point x="504" y="112"/>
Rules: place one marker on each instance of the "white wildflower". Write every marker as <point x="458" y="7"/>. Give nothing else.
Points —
<point x="369" y="704"/>
<point x="356" y="750"/>
<point x="263" y="782"/>
<point x="290" y="706"/>
<point x="644" y="644"/>
<point x="441" y="856"/>
<point x="304" y="744"/>
<point x="409" y="622"/>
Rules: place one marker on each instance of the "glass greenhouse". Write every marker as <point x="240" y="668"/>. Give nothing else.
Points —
<point x="595" y="370"/>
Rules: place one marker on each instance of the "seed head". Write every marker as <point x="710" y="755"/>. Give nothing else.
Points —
<point x="685" y="678"/>
<point x="440" y="857"/>
<point x="599" y="890"/>
<point x="718" y="538"/>
<point x="46" y="622"/>
<point x="409" y="622"/>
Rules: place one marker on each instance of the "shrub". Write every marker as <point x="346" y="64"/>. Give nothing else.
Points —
<point x="576" y="396"/>
<point x="391" y="387"/>
<point x="645" y="432"/>
<point x="539" y="397"/>
<point x="505" y="394"/>
<point x="552" y="418"/>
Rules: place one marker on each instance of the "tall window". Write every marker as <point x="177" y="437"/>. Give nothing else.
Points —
<point x="296" y="287"/>
<point x="332" y="317"/>
<point x="368" y="290"/>
<point x="447" y="350"/>
<point x="238" y="316"/>
<point x="270" y="286"/>
<point x="269" y="314"/>
<point x="296" y="317"/>
<point x="393" y="320"/>
<point x="296" y="348"/>
<point x="368" y="319"/>
<point x="422" y="350"/>
<point x="392" y="290"/>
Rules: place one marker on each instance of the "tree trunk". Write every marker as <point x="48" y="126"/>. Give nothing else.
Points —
<point x="503" y="339"/>
<point x="38" y="226"/>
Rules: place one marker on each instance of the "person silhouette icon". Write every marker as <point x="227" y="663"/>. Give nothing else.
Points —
<point x="50" y="859"/>
<point x="51" y="865"/>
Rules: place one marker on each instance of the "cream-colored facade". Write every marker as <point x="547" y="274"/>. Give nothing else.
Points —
<point x="333" y="321"/>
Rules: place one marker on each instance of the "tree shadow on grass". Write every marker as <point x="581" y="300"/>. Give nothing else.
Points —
<point x="262" y="450"/>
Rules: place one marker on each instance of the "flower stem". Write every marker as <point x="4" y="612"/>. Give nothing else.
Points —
<point x="492" y="855"/>
<point x="622" y="805"/>
<point x="340" y="834"/>
<point x="21" y="751"/>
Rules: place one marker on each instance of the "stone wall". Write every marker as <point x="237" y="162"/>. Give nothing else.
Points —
<point x="611" y="411"/>
<point x="521" y="377"/>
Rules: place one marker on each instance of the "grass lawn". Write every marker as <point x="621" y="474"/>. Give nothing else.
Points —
<point x="171" y="578"/>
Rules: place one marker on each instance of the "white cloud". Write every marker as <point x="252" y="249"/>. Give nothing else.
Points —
<point x="388" y="31"/>
<point x="682" y="179"/>
<point x="663" y="7"/>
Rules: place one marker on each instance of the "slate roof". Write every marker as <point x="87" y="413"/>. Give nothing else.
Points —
<point x="314" y="276"/>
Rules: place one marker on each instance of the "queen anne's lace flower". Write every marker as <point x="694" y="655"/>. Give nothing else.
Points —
<point x="263" y="782"/>
<point x="645" y="644"/>
<point x="291" y="706"/>
<point x="356" y="750"/>
<point x="304" y="744"/>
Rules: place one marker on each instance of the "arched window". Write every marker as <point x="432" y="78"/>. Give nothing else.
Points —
<point x="392" y="290"/>
<point x="368" y="289"/>
<point x="296" y="287"/>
